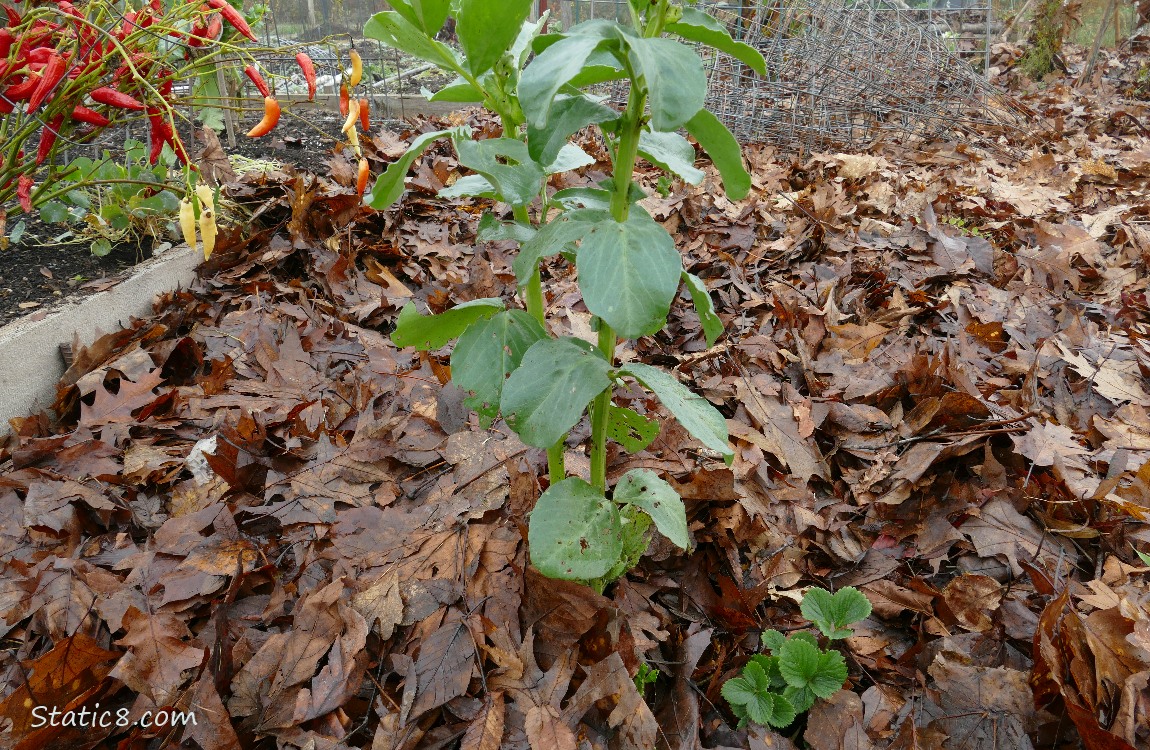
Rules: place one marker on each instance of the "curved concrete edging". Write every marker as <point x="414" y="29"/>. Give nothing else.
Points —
<point x="30" y="360"/>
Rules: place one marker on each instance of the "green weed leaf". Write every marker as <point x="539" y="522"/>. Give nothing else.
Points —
<point x="547" y="393"/>
<point x="705" y="307"/>
<point x="631" y="430"/>
<point x="629" y="273"/>
<point x="486" y="29"/>
<point x="644" y="489"/>
<point x="724" y="151"/>
<point x="489" y="351"/>
<point x="833" y="613"/>
<point x="674" y="79"/>
<point x="697" y="26"/>
<point x="430" y="332"/>
<point x="694" y="412"/>
<point x="574" y="532"/>
<point x="389" y="187"/>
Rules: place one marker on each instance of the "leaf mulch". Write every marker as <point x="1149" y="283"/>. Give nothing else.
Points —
<point x="253" y="507"/>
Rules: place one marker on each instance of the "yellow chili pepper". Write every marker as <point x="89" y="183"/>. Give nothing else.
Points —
<point x="352" y="116"/>
<point x="356" y="68"/>
<point x="188" y="223"/>
<point x="207" y="219"/>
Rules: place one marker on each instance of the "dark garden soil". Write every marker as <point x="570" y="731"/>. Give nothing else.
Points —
<point x="42" y="269"/>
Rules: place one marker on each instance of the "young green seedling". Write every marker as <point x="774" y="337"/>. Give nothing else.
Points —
<point x="629" y="270"/>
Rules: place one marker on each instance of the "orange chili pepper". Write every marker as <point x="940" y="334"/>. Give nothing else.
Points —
<point x="271" y="117"/>
<point x="361" y="178"/>
<point x="344" y="99"/>
<point x="364" y="116"/>
<point x="356" y="68"/>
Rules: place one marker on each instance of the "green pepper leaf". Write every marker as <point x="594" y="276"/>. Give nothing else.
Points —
<point x="724" y="151"/>
<point x="694" y="412"/>
<point x="629" y="273"/>
<point x="487" y="352"/>
<point x="546" y="395"/>
<point x="575" y="533"/>
<point x="645" y="490"/>
<point x="430" y="332"/>
<point x="698" y="26"/>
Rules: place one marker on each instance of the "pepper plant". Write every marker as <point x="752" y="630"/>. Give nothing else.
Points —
<point x="773" y="689"/>
<point x="629" y="270"/>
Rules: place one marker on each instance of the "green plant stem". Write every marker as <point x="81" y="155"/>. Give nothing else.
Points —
<point x="601" y="414"/>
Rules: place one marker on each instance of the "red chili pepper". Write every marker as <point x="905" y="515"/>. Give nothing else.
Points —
<point x="197" y="35"/>
<point x="254" y="75"/>
<point x="215" y="27"/>
<point x="53" y="73"/>
<point x="233" y="16"/>
<point x="308" y="68"/>
<point x="113" y="98"/>
<point x="92" y="117"/>
<point x="48" y="135"/>
<point x="6" y="40"/>
<point x="24" y="192"/>
<point x="156" y="5"/>
<point x="364" y="116"/>
<point x="24" y="89"/>
<point x="160" y="133"/>
<point x="344" y="100"/>
<point x="361" y="178"/>
<point x="14" y="18"/>
<point x="39" y="55"/>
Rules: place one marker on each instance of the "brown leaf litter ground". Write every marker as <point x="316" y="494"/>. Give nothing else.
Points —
<point x="253" y="507"/>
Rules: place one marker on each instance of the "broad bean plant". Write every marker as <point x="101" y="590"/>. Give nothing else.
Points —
<point x="629" y="269"/>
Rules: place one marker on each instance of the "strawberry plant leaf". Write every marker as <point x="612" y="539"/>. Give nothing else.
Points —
<point x="487" y="353"/>
<point x="575" y="532"/>
<point x="804" y="666"/>
<point x="547" y="393"/>
<point x="644" y="489"/>
<point x="832" y="613"/>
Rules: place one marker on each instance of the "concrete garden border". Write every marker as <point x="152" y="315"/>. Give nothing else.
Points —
<point x="30" y="359"/>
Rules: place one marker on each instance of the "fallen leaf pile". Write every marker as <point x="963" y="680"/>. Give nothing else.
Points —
<point x="251" y="506"/>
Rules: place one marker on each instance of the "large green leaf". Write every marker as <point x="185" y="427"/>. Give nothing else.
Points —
<point x="547" y="394"/>
<point x="487" y="352"/>
<point x="426" y="15"/>
<point x="832" y="613"/>
<point x="674" y="79"/>
<point x="492" y="230"/>
<point x="558" y="64"/>
<point x="486" y="29"/>
<point x="430" y="332"/>
<point x="705" y="306"/>
<point x="631" y="430"/>
<point x="574" y="532"/>
<point x="458" y="90"/>
<point x="506" y="164"/>
<point x="645" y="490"/>
<point x="472" y="184"/>
<point x="694" y="412"/>
<point x="672" y="153"/>
<point x="629" y="273"/>
<point x="701" y="27"/>
<point x="396" y="31"/>
<point x="724" y="151"/>
<point x="389" y="187"/>
<point x="569" y="115"/>
<point x="570" y="157"/>
<point x="555" y="237"/>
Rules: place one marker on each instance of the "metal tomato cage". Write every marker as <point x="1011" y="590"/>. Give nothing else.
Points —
<point x="847" y="73"/>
